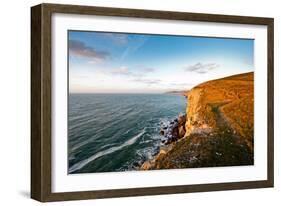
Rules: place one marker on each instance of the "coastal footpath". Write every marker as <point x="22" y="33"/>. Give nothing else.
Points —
<point x="217" y="130"/>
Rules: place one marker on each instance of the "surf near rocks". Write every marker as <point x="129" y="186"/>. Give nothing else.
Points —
<point x="174" y="130"/>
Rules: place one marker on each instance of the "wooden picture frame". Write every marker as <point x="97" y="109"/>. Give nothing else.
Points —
<point x="41" y="173"/>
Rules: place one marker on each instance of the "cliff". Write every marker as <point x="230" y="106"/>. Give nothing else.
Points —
<point x="219" y="127"/>
<point x="227" y="101"/>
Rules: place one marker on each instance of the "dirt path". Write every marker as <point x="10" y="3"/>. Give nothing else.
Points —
<point x="223" y="126"/>
<point x="221" y="147"/>
<point x="220" y="120"/>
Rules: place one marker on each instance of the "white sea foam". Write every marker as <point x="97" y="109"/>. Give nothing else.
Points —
<point x="83" y="163"/>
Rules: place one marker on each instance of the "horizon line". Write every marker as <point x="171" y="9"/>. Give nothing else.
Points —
<point x="163" y="92"/>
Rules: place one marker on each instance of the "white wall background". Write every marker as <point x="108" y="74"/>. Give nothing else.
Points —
<point x="15" y="102"/>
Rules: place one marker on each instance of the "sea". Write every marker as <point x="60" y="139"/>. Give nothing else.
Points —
<point x="117" y="132"/>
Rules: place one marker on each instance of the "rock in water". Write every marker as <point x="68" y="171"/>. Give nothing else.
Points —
<point x="175" y="133"/>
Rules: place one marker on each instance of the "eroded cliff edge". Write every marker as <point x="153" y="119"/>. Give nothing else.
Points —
<point x="219" y="127"/>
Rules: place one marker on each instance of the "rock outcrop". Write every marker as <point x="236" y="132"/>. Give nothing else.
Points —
<point x="217" y="129"/>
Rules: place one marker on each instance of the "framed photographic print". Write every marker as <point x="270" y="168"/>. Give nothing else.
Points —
<point x="130" y="102"/>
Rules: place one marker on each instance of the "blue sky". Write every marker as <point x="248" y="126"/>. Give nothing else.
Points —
<point x="101" y="62"/>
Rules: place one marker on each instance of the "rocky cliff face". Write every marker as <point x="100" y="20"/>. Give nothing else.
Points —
<point x="199" y="115"/>
<point x="218" y="127"/>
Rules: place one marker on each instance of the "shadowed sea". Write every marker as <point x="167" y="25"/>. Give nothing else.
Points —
<point x="117" y="132"/>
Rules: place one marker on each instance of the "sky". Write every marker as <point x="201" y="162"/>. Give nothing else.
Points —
<point x="104" y="62"/>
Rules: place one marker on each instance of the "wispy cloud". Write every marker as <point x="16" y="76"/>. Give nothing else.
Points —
<point x="80" y="49"/>
<point x="201" y="68"/>
<point x="147" y="81"/>
<point x="147" y="69"/>
<point x="124" y="71"/>
<point x="139" y="72"/>
<point x="139" y="76"/>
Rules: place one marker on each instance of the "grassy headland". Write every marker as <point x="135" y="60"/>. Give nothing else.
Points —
<point x="218" y="128"/>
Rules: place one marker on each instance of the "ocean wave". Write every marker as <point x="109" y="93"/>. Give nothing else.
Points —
<point x="83" y="163"/>
<point x="86" y="119"/>
<point x="94" y="138"/>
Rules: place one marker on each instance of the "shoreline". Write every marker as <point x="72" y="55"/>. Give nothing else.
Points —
<point x="171" y="133"/>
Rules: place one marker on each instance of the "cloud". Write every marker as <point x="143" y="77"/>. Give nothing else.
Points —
<point x="140" y="71"/>
<point x="201" y="68"/>
<point x="147" y="81"/>
<point x="79" y="49"/>
<point x="122" y="71"/>
<point x="136" y="76"/>
<point x="147" y="69"/>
